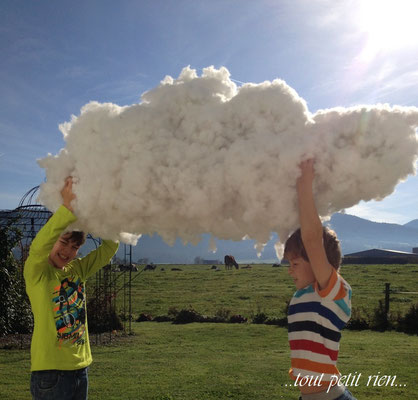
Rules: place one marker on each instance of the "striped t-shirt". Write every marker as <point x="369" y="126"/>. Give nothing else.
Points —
<point x="315" y="319"/>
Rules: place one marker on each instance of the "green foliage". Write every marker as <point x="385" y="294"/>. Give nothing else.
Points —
<point x="102" y="317"/>
<point x="144" y="317"/>
<point x="223" y="314"/>
<point x="187" y="316"/>
<point x="237" y="319"/>
<point x="190" y="315"/>
<point x="15" y="314"/>
<point x="409" y="323"/>
<point x="260" y="318"/>
<point x="381" y="321"/>
<point x="172" y="312"/>
<point x="359" y="320"/>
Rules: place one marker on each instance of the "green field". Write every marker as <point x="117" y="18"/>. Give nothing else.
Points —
<point x="261" y="288"/>
<point x="163" y="361"/>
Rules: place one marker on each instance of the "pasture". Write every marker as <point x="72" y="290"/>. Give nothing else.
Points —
<point x="199" y="361"/>
<point x="261" y="288"/>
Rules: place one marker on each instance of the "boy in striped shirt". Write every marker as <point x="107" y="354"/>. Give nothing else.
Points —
<point x="321" y="306"/>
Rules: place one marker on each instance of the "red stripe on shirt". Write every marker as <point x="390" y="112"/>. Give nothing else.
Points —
<point x="315" y="347"/>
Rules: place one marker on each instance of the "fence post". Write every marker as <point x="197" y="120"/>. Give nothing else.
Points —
<point x="387" y="297"/>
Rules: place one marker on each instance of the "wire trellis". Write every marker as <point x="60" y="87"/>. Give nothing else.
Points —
<point x="30" y="216"/>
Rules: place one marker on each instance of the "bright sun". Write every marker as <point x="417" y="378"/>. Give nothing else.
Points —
<point x="389" y="24"/>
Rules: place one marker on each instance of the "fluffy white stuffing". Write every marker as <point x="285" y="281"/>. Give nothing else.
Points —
<point x="200" y="155"/>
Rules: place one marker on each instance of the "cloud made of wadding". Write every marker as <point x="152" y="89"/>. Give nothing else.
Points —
<point x="201" y="155"/>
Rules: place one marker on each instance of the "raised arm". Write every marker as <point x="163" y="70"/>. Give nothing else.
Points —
<point x="311" y="226"/>
<point x="37" y="261"/>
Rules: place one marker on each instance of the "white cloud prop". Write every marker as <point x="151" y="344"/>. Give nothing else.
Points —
<point x="200" y="155"/>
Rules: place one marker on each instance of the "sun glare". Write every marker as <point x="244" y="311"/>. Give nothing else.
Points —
<point x="389" y="25"/>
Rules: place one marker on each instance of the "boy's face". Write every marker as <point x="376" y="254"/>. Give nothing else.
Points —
<point x="301" y="272"/>
<point x="63" y="252"/>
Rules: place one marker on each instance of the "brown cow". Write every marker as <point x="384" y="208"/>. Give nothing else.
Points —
<point x="230" y="262"/>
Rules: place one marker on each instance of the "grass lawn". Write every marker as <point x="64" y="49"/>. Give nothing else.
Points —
<point x="163" y="361"/>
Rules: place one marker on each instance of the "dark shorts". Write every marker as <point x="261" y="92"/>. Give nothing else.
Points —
<point x="57" y="384"/>
<point x="345" y="396"/>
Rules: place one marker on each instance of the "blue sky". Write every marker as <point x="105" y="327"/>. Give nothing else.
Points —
<point x="57" y="56"/>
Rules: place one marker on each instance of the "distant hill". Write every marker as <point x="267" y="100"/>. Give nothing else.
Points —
<point x="356" y="234"/>
<point x="156" y="250"/>
<point x="412" y="224"/>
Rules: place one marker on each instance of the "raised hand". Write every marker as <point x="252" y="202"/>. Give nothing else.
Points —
<point x="307" y="172"/>
<point x="67" y="193"/>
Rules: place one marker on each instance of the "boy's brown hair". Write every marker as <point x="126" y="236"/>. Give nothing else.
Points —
<point x="78" y="237"/>
<point x="294" y="246"/>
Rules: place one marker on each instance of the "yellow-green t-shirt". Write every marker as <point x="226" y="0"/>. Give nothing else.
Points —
<point x="60" y="337"/>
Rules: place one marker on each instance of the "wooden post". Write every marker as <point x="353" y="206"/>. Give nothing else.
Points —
<point x="387" y="297"/>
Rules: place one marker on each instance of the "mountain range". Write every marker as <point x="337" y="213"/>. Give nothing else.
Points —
<point x="355" y="234"/>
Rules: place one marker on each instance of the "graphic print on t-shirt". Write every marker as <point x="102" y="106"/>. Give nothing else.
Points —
<point x="69" y="311"/>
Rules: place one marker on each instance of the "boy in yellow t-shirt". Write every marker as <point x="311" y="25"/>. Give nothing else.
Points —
<point x="55" y="283"/>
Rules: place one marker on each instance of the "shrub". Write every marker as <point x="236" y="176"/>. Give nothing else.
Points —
<point x="15" y="310"/>
<point x="277" y="321"/>
<point x="173" y="312"/>
<point x="101" y="318"/>
<point x="222" y="315"/>
<point x="237" y="319"/>
<point x="381" y="320"/>
<point x="260" y="318"/>
<point x="144" y="317"/>
<point x="187" y="316"/>
<point x="409" y="323"/>
<point x="163" y="318"/>
<point x="358" y="321"/>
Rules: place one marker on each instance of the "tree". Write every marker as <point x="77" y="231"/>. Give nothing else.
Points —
<point x="198" y="260"/>
<point x="15" y="312"/>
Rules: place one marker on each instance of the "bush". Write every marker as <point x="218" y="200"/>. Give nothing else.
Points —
<point x="358" y="320"/>
<point x="101" y="318"/>
<point x="260" y="318"/>
<point x="277" y="321"/>
<point x="409" y="323"/>
<point x="143" y="317"/>
<point x="380" y="319"/>
<point x="163" y="318"/>
<point x="237" y="319"/>
<point x="173" y="312"/>
<point x="15" y="310"/>
<point x="187" y="316"/>
<point x="222" y="315"/>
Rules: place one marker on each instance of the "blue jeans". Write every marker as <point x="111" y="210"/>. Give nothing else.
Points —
<point x="345" y="396"/>
<point x="59" y="385"/>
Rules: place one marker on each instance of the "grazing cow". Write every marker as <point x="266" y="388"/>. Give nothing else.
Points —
<point x="127" y="267"/>
<point x="150" y="267"/>
<point x="230" y="262"/>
